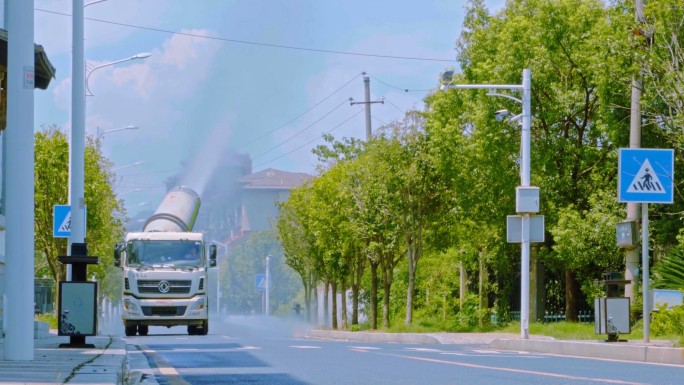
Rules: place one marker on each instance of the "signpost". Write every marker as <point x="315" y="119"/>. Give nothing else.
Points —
<point x="645" y="175"/>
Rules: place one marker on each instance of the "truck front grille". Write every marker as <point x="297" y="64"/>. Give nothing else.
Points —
<point x="167" y="311"/>
<point x="174" y="287"/>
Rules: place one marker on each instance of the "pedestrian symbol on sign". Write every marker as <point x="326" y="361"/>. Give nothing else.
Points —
<point x="66" y="224"/>
<point x="646" y="181"/>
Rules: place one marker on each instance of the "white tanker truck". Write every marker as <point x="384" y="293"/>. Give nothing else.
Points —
<point x="165" y="268"/>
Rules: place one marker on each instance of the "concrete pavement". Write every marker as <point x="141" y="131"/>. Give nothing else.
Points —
<point x="104" y="364"/>
<point x="660" y="352"/>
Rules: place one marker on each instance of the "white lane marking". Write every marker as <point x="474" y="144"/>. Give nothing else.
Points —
<point x="248" y="348"/>
<point x="423" y="350"/>
<point x="365" y="347"/>
<point x="168" y="371"/>
<point x="304" y="347"/>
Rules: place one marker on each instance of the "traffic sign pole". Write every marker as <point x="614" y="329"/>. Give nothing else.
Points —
<point x="645" y="175"/>
<point x="645" y="272"/>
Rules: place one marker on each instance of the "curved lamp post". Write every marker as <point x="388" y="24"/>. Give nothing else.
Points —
<point x="101" y="133"/>
<point x="141" y="55"/>
<point x="522" y="191"/>
<point x="127" y="166"/>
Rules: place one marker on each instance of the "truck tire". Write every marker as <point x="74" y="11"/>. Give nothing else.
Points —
<point x="143" y="330"/>
<point x="131" y="330"/>
<point x="204" y="330"/>
<point x="192" y="330"/>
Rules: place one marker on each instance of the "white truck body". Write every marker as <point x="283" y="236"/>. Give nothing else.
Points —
<point x="166" y="272"/>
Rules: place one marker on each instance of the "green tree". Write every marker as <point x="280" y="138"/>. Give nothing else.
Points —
<point x="297" y="242"/>
<point x="581" y="66"/>
<point x="105" y="213"/>
<point x="669" y="273"/>
<point x="246" y="258"/>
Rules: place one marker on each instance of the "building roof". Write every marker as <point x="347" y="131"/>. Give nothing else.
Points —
<point x="272" y="179"/>
<point x="45" y="72"/>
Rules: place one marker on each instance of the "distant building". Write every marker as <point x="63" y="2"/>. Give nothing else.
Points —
<point x="261" y="191"/>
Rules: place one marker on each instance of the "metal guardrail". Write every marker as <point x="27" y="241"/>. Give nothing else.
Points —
<point x="584" y="316"/>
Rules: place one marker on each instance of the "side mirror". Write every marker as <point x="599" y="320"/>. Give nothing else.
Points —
<point x="212" y="255"/>
<point x="117" y="254"/>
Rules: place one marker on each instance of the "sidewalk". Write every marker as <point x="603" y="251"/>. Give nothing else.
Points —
<point x="105" y="364"/>
<point x="653" y="352"/>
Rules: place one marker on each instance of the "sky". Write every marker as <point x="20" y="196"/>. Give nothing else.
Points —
<point x="261" y="77"/>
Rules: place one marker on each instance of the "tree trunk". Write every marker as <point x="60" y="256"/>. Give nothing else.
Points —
<point x="326" y="306"/>
<point x="463" y="284"/>
<point x="571" y="291"/>
<point x="374" y="295"/>
<point x="333" y="293"/>
<point x="355" y="304"/>
<point x="412" y="264"/>
<point x="482" y="290"/>
<point x="387" y="286"/>
<point x="345" y="322"/>
<point x="307" y="299"/>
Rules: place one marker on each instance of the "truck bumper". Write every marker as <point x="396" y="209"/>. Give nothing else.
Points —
<point x="164" y="312"/>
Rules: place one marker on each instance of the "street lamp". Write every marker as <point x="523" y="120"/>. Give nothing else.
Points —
<point x="127" y="166"/>
<point x="527" y="197"/>
<point x="218" y="276"/>
<point x="141" y="55"/>
<point x="101" y="133"/>
<point x="78" y="134"/>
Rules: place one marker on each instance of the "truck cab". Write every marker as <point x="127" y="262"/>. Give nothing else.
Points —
<point x="165" y="280"/>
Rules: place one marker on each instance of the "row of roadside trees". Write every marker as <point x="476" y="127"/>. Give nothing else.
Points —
<point x="433" y="190"/>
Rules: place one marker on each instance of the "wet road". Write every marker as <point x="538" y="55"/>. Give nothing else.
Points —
<point x="256" y="350"/>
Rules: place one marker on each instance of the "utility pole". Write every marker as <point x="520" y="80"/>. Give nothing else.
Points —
<point x="19" y="209"/>
<point x="632" y="255"/>
<point x="368" y="102"/>
<point x="268" y="284"/>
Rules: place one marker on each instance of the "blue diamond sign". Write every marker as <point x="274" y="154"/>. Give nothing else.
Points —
<point x="645" y="175"/>
<point x="61" y="224"/>
<point x="260" y="281"/>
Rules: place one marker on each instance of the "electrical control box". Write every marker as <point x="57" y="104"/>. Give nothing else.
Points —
<point x="527" y="199"/>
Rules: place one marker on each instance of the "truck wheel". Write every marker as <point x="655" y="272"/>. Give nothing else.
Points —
<point x="192" y="330"/>
<point x="143" y="330"/>
<point x="205" y="328"/>
<point x="131" y="330"/>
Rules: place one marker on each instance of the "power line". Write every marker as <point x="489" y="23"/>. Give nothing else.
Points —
<point x="305" y="112"/>
<point x="394" y="105"/>
<point x="291" y="47"/>
<point x="396" y="87"/>
<point x="307" y="143"/>
<point x="301" y="131"/>
<point x="379" y="120"/>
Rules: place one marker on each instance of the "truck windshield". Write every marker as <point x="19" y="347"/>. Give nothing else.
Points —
<point x="164" y="254"/>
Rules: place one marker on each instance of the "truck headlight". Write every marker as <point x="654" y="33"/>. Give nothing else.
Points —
<point x="130" y="306"/>
<point x="198" y="305"/>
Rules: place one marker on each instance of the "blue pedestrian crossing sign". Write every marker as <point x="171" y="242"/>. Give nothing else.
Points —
<point x="260" y="281"/>
<point x="645" y="175"/>
<point x="61" y="224"/>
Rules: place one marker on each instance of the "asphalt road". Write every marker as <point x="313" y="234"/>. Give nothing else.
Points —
<point x="256" y="350"/>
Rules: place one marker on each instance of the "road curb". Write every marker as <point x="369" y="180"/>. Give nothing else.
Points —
<point x="401" y="338"/>
<point x="606" y="350"/>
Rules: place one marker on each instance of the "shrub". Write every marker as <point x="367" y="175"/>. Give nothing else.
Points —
<point x="668" y="321"/>
<point x="47" y="317"/>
